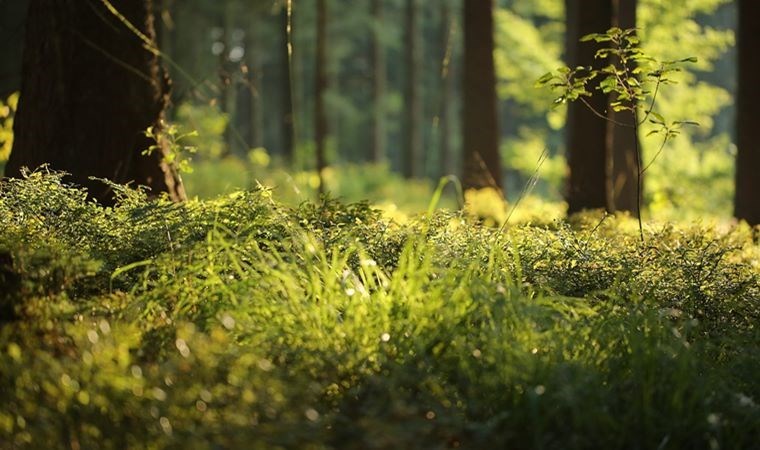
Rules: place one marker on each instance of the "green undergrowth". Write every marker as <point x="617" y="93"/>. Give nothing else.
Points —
<point x="239" y="323"/>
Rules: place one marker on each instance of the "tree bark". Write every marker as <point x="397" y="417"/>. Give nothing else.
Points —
<point x="320" y="115"/>
<point x="446" y="157"/>
<point x="586" y="134"/>
<point x="482" y="162"/>
<point x="622" y="140"/>
<point x="253" y="91"/>
<point x="89" y="91"/>
<point x="377" y="150"/>
<point x="286" y="122"/>
<point x="413" y="107"/>
<point x="747" y="196"/>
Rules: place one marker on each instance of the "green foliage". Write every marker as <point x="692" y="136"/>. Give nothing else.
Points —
<point x="668" y="31"/>
<point x="208" y="124"/>
<point x="386" y="190"/>
<point x="7" y="111"/>
<point x="170" y="138"/>
<point x="242" y="323"/>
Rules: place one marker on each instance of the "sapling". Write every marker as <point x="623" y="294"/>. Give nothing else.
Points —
<point x="632" y="80"/>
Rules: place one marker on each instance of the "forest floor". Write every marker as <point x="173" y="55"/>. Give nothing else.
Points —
<point x="242" y="323"/>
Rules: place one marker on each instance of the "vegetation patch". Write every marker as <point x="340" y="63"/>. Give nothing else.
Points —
<point x="242" y="323"/>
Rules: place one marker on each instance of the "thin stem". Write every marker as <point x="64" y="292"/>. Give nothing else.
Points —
<point x="639" y="174"/>
<point x="656" y="155"/>
<point x="598" y="114"/>
<point x="654" y="99"/>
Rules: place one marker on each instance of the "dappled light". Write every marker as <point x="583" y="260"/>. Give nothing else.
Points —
<point x="382" y="224"/>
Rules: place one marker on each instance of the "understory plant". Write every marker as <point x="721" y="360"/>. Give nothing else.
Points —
<point x="632" y="79"/>
<point x="242" y="323"/>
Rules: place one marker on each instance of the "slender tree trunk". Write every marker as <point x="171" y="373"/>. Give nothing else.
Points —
<point x="482" y="162"/>
<point x="413" y="107"/>
<point x="100" y="89"/>
<point x="587" y="149"/>
<point x="747" y="197"/>
<point x="377" y="151"/>
<point x="622" y="140"/>
<point x="446" y="159"/>
<point x="286" y="122"/>
<point x="254" y="76"/>
<point x="226" y="87"/>
<point x="320" y="115"/>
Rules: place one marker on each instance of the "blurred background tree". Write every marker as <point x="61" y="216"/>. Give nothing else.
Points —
<point x="254" y="104"/>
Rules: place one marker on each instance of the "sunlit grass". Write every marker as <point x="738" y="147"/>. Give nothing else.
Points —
<point x="243" y="323"/>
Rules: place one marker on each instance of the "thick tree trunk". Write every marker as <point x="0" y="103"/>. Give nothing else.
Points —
<point x="377" y="150"/>
<point x="320" y="115"/>
<point x="747" y="197"/>
<point x="12" y="19"/>
<point x="413" y="106"/>
<point x="622" y="140"/>
<point x="587" y="150"/>
<point x="90" y="89"/>
<point x="482" y="163"/>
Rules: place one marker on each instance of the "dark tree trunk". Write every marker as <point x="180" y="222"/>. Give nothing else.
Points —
<point x="622" y="140"/>
<point x="587" y="150"/>
<point x="89" y="91"/>
<point x="446" y="158"/>
<point x="226" y="86"/>
<point x="253" y="92"/>
<point x="320" y="115"/>
<point x="286" y="122"/>
<point x="377" y="150"/>
<point x="413" y="106"/>
<point x="482" y="163"/>
<point x="12" y="19"/>
<point x="747" y="197"/>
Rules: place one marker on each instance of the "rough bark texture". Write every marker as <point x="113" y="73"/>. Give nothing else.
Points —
<point x="747" y="197"/>
<point x="89" y="91"/>
<point x="320" y="115"/>
<point x="482" y="164"/>
<point x="621" y="140"/>
<point x="377" y="150"/>
<point x="587" y="150"/>
<point x="413" y="104"/>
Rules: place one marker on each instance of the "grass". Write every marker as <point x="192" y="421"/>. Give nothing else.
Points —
<point x="241" y="323"/>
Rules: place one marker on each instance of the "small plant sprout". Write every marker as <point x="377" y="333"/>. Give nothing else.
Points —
<point x="632" y="79"/>
<point x="178" y="155"/>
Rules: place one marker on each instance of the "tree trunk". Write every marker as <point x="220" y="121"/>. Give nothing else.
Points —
<point x="253" y="79"/>
<point x="286" y="121"/>
<point x="226" y="85"/>
<point x="586" y="134"/>
<point x="413" y="106"/>
<point x="12" y="19"/>
<point x="377" y="151"/>
<point x="622" y="140"/>
<point x="482" y="163"/>
<point x="747" y="197"/>
<point x="446" y="158"/>
<point x="89" y="91"/>
<point x="320" y="115"/>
